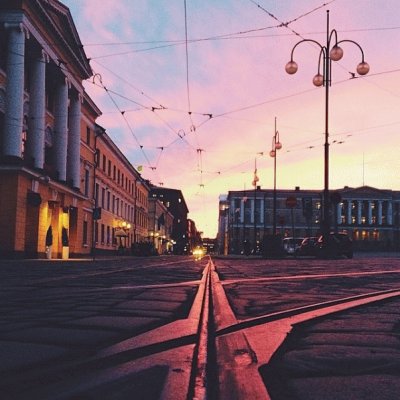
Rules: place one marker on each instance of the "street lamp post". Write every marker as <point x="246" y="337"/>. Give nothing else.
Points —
<point x="328" y="54"/>
<point x="276" y="145"/>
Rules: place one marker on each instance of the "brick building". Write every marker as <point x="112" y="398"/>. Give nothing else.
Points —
<point x="160" y="226"/>
<point x="122" y="196"/>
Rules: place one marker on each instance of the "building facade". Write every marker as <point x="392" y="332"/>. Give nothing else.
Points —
<point x="160" y="226"/>
<point x="174" y="201"/>
<point x="44" y="114"/>
<point x="66" y="190"/>
<point x="121" y="199"/>
<point x="370" y="216"/>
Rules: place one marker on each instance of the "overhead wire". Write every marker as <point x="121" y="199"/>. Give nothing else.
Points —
<point x="225" y="114"/>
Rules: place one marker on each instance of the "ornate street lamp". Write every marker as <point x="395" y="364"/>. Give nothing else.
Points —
<point x="276" y="145"/>
<point x="331" y="52"/>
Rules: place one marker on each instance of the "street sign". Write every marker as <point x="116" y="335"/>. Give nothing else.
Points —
<point x="291" y="202"/>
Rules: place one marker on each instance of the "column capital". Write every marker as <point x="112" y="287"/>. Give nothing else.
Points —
<point x="45" y="56"/>
<point x="18" y="26"/>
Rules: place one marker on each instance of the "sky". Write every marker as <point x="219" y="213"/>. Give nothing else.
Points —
<point x="190" y="90"/>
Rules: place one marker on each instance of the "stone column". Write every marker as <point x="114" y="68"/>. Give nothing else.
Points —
<point x="74" y="138"/>
<point x="14" y="110"/>
<point x="253" y="207"/>
<point x="61" y="129"/>
<point x="242" y="210"/>
<point x="262" y="211"/>
<point x="339" y="213"/>
<point x="37" y="110"/>
<point x="370" y="212"/>
<point x="349" y="209"/>
<point x="379" y="212"/>
<point x="389" y="217"/>
<point x="359" y="212"/>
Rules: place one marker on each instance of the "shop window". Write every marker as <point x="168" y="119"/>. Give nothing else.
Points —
<point x="108" y="236"/>
<point x="102" y="233"/>
<point x="96" y="232"/>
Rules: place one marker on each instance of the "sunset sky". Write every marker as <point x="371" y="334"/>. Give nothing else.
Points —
<point x="191" y="93"/>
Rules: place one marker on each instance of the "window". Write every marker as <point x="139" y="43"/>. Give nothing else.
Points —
<point x="104" y="163"/>
<point x="102" y="233"/>
<point x="86" y="189"/>
<point x="108" y="201"/>
<point x="114" y="172"/>
<point x="108" y="235"/>
<point x="96" y="194"/>
<point x="96" y="232"/>
<point x="103" y="197"/>
<point x="88" y="136"/>
<point x="85" y="233"/>
<point x="48" y="146"/>
<point x="24" y="137"/>
<point x="109" y="167"/>
<point x="97" y="157"/>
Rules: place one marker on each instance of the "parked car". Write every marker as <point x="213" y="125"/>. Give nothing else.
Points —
<point x="308" y="246"/>
<point x="335" y="245"/>
<point x="291" y="245"/>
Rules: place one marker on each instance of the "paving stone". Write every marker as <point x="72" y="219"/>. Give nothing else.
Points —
<point x="62" y="336"/>
<point x="110" y="322"/>
<point x="159" y="305"/>
<point x="16" y="354"/>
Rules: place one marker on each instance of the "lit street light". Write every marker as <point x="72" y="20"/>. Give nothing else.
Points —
<point x="328" y="54"/>
<point x="276" y="145"/>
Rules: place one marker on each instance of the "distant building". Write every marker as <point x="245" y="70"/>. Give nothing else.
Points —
<point x="210" y="245"/>
<point x="122" y="196"/>
<point x="175" y="203"/>
<point x="370" y="216"/>
<point x="223" y="225"/>
<point x="160" y="226"/>
<point x="193" y="235"/>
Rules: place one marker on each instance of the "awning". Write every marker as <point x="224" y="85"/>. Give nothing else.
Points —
<point x="120" y="233"/>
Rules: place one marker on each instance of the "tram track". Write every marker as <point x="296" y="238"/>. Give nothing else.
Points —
<point x="209" y="353"/>
<point x="228" y="353"/>
<point x="243" y="347"/>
